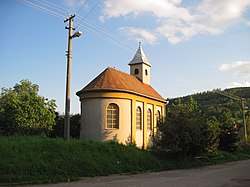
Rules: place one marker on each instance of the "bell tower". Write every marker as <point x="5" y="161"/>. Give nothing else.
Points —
<point x="140" y="67"/>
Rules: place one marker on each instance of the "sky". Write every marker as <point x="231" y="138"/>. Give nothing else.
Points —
<point x="193" y="45"/>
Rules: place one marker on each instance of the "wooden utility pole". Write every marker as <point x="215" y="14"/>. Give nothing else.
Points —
<point x="243" y="117"/>
<point x="68" y="78"/>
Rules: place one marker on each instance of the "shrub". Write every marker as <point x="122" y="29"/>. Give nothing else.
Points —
<point x="186" y="131"/>
<point x="229" y="138"/>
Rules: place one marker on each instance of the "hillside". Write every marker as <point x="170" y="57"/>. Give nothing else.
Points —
<point x="215" y="105"/>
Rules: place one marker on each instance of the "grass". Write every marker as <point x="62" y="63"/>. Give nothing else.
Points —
<point x="43" y="159"/>
<point x="39" y="159"/>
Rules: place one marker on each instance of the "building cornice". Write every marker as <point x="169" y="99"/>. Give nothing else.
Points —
<point x="82" y="92"/>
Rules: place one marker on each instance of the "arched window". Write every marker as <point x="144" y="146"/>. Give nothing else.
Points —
<point x="136" y="71"/>
<point x="146" y="72"/>
<point x="158" y="115"/>
<point x="138" y="119"/>
<point x="113" y="116"/>
<point x="149" y="119"/>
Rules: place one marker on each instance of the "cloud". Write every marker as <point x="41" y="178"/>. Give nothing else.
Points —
<point x="221" y="14"/>
<point x="74" y="3"/>
<point x="239" y="67"/>
<point x="237" y="84"/>
<point x="139" y="34"/>
<point x="177" y="22"/>
<point x="158" y="8"/>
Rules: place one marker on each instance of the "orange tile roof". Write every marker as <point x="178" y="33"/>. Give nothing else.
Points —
<point x="115" y="80"/>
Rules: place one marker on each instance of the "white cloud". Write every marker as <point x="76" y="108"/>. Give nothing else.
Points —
<point x="239" y="67"/>
<point x="139" y="34"/>
<point x="177" y="23"/>
<point x="238" y="84"/>
<point x="221" y="14"/>
<point x="74" y="3"/>
<point x="159" y="8"/>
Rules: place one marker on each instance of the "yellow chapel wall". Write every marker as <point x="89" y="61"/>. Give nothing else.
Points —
<point x="94" y="126"/>
<point x="94" y="117"/>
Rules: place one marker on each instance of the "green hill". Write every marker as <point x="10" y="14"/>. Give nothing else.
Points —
<point x="216" y="106"/>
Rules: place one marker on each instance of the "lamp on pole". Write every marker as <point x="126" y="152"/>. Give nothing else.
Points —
<point x="68" y="78"/>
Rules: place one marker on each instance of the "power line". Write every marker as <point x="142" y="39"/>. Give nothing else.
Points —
<point x="104" y="38"/>
<point x="49" y="4"/>
<point x="89" y="12"/>
<point x="113" y="38"/>
<point x="41" y="8"/>
<point x="98" y="31"/>
<point x="108" y="33"/>
<point x="82" y="6"/>
<point x="85" y="20"/>
<point x="101" y="33"/>
<point x="95" y="26"/>
<point x="55" y="5"/>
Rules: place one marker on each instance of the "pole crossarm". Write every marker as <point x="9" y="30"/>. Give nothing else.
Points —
<point x="71" y="17"/>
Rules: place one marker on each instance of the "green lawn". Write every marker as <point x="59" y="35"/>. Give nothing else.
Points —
<point x="40" y="159"/>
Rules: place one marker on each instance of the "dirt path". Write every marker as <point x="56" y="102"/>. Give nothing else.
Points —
<point x="234" y="174"/>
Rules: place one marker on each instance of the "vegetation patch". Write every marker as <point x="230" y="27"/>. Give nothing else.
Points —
<point x="44" y="159"/>
<point x="26" y="159"/>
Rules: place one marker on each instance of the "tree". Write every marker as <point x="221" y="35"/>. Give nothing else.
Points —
<point x="75" y="124"/>
<point x="186" y="131"/>
<point x="229" y="136"/>
<point x="24" y="112"/>
<point x="213" y="142"/>
<point x="224" y="111"/>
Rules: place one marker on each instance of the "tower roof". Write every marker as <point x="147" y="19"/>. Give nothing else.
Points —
<point x="114" y="80"/>
<point x="139" y="57"/>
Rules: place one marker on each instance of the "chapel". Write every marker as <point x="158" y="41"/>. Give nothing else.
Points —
<point x="122" y="107"/>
